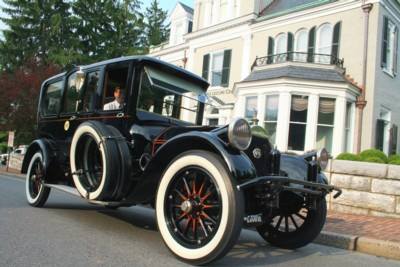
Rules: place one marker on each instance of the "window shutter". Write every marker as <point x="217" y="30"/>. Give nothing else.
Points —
<point x="380" y="127"/>
<point x="336" y="42"/>
<point x="271" y="44"/>
<point x="226" y="68"/>
<point x="393" y="139"/>
<point x="190" y="27"/>
<point x="396" y="48"/>
<point x="311" y="45"/>
<point x="290" y="40"/>
<point x="206" y="66"/>
<point x="385" y="41"/>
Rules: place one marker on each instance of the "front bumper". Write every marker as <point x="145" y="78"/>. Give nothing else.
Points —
<point x="287" y="184"/>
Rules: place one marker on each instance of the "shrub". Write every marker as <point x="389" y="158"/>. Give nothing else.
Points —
<point x="374" y="160"/>
<point x="395" y="162"/>
<point x="394" y="158"/>
<point x="373" y="153"/>
<point x="348" y="156"/>
<point x="3" y="148"/>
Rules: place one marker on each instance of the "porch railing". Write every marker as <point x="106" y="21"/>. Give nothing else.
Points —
<point x="298" y="57"/>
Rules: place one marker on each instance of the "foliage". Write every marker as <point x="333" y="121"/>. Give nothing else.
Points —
<point x="394" y="158"/>
<point x="19" y="98"/>
<point x="78" y="32"/>
<point x="348" y="156"/>
<point x="372" y="153"/>
<point x="374" y="160"/>
<point x="156" y="29"/>
<point x="395" y="162"/>
<point x="3" y="148"/>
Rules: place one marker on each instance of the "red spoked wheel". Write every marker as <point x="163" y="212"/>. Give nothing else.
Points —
<point x="193" y="207"/>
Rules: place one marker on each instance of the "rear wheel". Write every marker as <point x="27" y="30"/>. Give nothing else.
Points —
<point x="199" y="210"/>
<point x="295" y="225"/>
<point x="36" y="193"/>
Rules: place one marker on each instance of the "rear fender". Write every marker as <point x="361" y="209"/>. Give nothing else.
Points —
<point x="239" y="165"/>
<point x="48" y="151"/>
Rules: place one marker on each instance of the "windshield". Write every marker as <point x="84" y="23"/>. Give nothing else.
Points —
<point x="170" y="96"/>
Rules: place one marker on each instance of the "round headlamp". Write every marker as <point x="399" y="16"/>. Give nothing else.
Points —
<point x="239" y="134"/>
<point x="323" y="158"/>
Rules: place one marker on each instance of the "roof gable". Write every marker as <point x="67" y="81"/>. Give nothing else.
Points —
<point x="282" y="7"/>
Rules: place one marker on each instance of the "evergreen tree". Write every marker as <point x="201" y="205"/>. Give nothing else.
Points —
<point x="157" y="30"/>
<point x="36" y="29"/>
<point x="108" y="28"/>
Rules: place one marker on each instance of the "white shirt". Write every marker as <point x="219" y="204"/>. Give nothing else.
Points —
<point x="113" y="105"/>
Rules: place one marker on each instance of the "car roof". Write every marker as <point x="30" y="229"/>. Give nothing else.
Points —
<point x="144" y="59"/>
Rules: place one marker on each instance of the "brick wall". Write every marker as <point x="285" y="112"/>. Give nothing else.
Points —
<point x="368" y="188"/>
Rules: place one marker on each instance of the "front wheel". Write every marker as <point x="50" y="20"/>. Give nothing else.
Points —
<point x="36" y="192"/>
<point x="199" y="210"/>
<point x="295" y="224"/>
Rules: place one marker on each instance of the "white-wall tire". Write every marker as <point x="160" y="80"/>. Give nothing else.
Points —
<point x="232" y="208"/>
<point x="108" y="151"/>
<point x="40" y="197"/>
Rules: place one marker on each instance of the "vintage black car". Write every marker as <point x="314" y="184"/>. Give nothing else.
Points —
<point x="128" y="131"/>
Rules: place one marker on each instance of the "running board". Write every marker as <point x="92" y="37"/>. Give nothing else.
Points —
<point x="73" y="191"/>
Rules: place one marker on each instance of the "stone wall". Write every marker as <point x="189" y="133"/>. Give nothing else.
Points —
<point x="368" y="188"/>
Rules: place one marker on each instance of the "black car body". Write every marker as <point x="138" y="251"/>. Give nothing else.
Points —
<point x="123" y="157"/>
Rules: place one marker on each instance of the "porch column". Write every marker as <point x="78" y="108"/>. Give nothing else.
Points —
<point x="282" y="129"/>
<point x="312" y="121"/>
<point x="339" y="126"/>
<point x="246" y="55"/>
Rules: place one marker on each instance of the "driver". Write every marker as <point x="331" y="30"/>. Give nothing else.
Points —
<point x="118" y="103"/>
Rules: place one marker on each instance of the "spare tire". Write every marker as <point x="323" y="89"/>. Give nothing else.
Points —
<point x="95" y="160"/>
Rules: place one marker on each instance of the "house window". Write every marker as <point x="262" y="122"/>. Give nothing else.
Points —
<point x="389" y="47"/>
<point x="280" y="48"/>
<point x="298" y="122"/>
<point x="271" y="116"/>
<point x="324" y="44"/>
<point x="251" y="109"/>
<point x="212" y="122"/>
<point x="216" y="68"/>
<point x="348" y="127"/>
<point x="383" y="131"/>
<point x="301" y="46"/>
<point x="326" y="117"/>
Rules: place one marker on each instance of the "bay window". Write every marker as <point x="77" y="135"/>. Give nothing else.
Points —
<point x="348" y="127"/>
<point x="250" y="113"/>
<point x="271" y="116"/>
<point x="298" y="122"/>
<point x="326" y="117"/>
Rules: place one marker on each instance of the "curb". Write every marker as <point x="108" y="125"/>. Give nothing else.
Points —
<point x="382" y="248"/>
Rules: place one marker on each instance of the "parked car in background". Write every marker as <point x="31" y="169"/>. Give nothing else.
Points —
<point x="19" y="151"/>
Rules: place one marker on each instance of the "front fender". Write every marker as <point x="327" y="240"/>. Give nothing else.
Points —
<point x="47" y="149"/>
<point x="239" y="165"/>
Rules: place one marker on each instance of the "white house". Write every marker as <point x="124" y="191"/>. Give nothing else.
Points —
<point x="313" y="73"/>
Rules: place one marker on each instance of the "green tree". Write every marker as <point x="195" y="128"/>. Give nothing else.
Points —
<point x="39" y="30"/>
<point x="107" y="29"/>
<point x="157" y="30"/>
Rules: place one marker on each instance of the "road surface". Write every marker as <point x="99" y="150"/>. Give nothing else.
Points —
<point x="70" y="232"/>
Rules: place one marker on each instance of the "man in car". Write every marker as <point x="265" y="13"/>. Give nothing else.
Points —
<point x="118" y="103"/>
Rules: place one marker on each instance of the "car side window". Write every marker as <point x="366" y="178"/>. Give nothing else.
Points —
<point x="52" y="98"/>
<point x="115" y="87"/>
<point x="73" y="93"/>
<point x="89" y="98"/>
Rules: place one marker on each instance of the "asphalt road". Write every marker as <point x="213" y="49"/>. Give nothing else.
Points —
<point x="70" y="232"/>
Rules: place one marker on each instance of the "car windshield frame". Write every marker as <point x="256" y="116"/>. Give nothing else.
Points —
<point x="173" y="86"/>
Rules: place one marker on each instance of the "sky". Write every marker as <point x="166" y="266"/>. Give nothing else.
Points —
<point x="165" y="4"/>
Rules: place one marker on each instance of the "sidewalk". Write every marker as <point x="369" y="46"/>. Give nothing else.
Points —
<point x="367" y="234"/>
